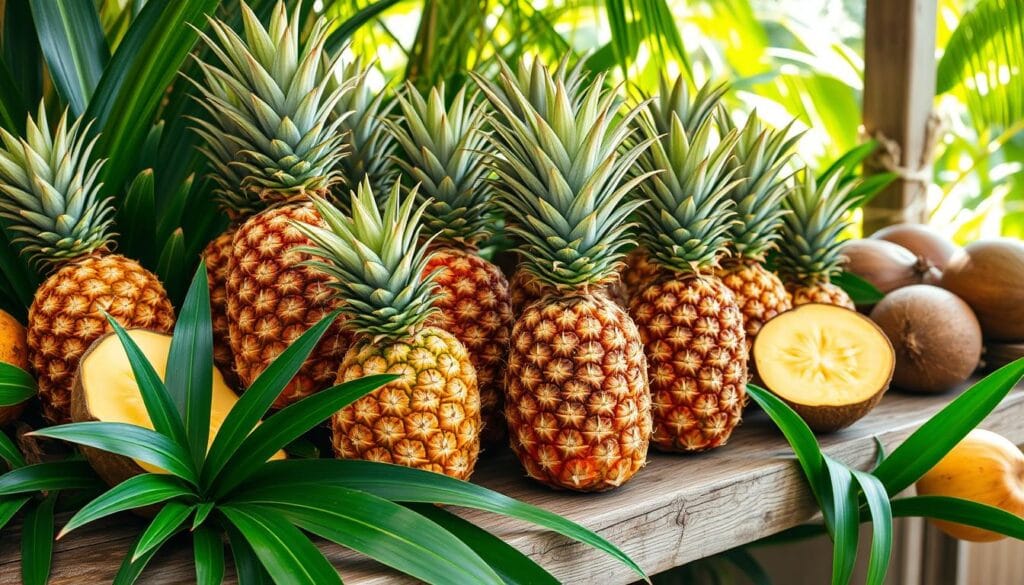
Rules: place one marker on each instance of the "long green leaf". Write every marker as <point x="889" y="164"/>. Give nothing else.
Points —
<point x="881" y="526"/>
<point x="289" y="424"/>
<point x="44" y="477"/>
<point x="9" y="452"/>
<point x="135" y="218"/>
<point x="130" y="570"/>
<point x="247" y="564"/>
<point x="136" y="492"/>
<point x="171" y="265"/>
<point x="405" y="484"/>
<point x="380" y="529"/>
<point x="166" y="522"/>
<point x="208" y="550"/>
<point x="256" y="401"/>
<point x="128" y="440"/>
<point x="861" y="291"/>
<point x="340" y="35"/>
<point x="287" y="555"/>
<point x="962" y="512"/>
<point x="511" y="565"/>
<point x="16" y="385"/>
<point x="12" y="104"/>
<point x="145" y="63"/>
<point x="9" y="506"/>
<point x="190" y="365"/>
<point x="930" y="443"/>
<point x="846" y="525"/>
<point x="37" y="542"/>
<point x="76" y="51"/>
<point x="158" y="402"/>
<point x="22" y="57"/>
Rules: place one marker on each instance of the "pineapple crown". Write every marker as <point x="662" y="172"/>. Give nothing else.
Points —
<point x="674" y="101"/>
<point x="809" y="249"/>
<point x="761" y="158"/>
<point x="443" y="153"/>
<point x="562" y="175"/>
<point x="49" y="194"/>
<point x="271" y="106"/>
<point x="368" y="143"/>
<point x="376" y="261"/>
<point x="685" y="224"/>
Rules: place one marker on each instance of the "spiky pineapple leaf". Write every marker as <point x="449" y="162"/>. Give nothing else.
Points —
<point x="75" y="48"/>
<point x="208" y="551"/>
<point x="37" y="541"/>
<point x="16" y="385"/>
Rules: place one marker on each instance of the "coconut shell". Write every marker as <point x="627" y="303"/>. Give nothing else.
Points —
<point x="989" y="276"/>
<point x="886" y="265"/>
<point x="14" y="351"/>
<point x="935" y="334"/>
<point x="922" y="241"/>
<point x="829" y="419"/>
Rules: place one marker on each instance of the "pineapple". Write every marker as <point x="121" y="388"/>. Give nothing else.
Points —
<point x="368" y="143"/>
<point x="689" y="320"/>
<point x="430" y="417"/>
<point x="809" y="250"/>
<point x="675" y="102"/>
<point x="50" y="197"/>
<point x="577" y="403"/>
<point x="271" y="102"/>
<point x="762" y="155"/>
<point x="443" y="153"/>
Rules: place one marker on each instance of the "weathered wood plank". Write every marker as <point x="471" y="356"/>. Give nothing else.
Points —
<point x="676" y="510"/>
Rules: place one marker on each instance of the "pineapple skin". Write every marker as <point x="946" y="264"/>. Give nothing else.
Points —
<point x="637" y="274"/>
<point x="65" y="319"/>
<point x="524" y="288"/>
<point x="272" y="299"/>
<point x="577" y="403"/>
<point x="474" y="306"/>
<point x="821" y="292"/>
<point x="217" y="255"/>
<point x="428" y="419"/>
<point x="695" y="344"/>
<point x="759" y="293"/>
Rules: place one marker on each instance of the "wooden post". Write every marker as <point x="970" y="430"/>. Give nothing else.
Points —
<point x="899" y="88"/>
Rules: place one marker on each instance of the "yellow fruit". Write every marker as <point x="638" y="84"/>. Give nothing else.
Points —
<point x="105" y="390"/>
<point x="14" y="351"/>
<point x="428" y="419"/>
<point x="831" y="365"/>
<point x="985" y="468"/>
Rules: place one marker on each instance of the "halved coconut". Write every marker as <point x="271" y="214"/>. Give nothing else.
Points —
<point x="830" y="364"/>
<point x="105" y="390"/>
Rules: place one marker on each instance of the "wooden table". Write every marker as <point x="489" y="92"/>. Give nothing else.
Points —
<point x="678" y="509"/>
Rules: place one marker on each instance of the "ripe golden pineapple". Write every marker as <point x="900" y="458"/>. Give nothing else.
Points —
<point x="577" y="403"/>
<point x="430" y="417"/>
<point x="442" y="151"/>
<point x="689" y="320"/>
<point x="809" y="249"/>
<point x="761" y="158"/>
<point x="285" y="148"/>
<point x="50" y="197"/>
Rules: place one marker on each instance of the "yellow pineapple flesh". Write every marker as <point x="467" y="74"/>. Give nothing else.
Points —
<point x="65" y="319"/>
<point x="428" y="419"/>
<point x="697" y="359"/>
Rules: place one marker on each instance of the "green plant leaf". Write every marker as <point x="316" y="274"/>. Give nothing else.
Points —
<point x="16" y="385"/>
<point x="9" y="506"/>
<point x="800" y="438"/>
<point x="37" y="541"/>
<point x="12" y="104"/>
<point x="128" y="440"/>
<point x="861" y="291"/>
<point x="936" y="437"/>
<point x="340" y="35"/>
<point x="146" y="62"/>
<point x="287" y="555"/>
<point x="166" y="522"/>
<point x="22" y="59"/>
<point x="136" y="492"/>
<point x="9" y="452"/>
<point x="158" y="402"/>
<point x="961" y="511"/>
<point x="748" y="565"/>
<point x="44" y="477"/>
<point x="846" y="524"/>
<point x="190" y="365"/>
<point x="506" y="560"/>
<point x="881" y="526"/>
<point x="378" y="528"/>
<point x="171" y="266"/>
<point x="289" y="424"/>
<point x="256" y="401"/>
<point x="130" y="570"/>
<point x="208" y="550"/>
<point x="247" y="565"/>
<point x="135" y="218"/>
<point x="76" y="51"/>
<point x="405" y="484"/>
<point x="203" y="510"/>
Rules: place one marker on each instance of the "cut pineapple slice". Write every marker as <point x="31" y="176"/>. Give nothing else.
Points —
<point x="831" y="364"/>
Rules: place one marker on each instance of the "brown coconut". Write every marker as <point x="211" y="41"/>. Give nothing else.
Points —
<point x="14" y="351"/>
<point x="989" y="275"/>
<point x="886" y="265"/>
<point x="935" y="334"/>
<point x="922" y="241"/>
